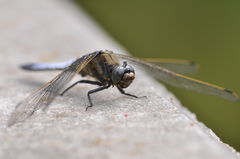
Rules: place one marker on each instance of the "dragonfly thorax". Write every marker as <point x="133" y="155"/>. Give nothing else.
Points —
<point x="123" y="75"/>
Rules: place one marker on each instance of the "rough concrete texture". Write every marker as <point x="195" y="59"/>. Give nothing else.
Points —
<point x="117" y="127"/>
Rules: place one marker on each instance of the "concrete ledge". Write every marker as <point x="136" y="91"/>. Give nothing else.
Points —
<point x="117" y="127"/>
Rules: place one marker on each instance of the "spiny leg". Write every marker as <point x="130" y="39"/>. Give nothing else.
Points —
<point x="94" y="91"/>
<point x="81" y="81"/>
<point x="131" y="95"/>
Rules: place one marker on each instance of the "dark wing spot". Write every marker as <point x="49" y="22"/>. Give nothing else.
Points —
<point x="227" y="90"/>
<point x="192" y="62"/>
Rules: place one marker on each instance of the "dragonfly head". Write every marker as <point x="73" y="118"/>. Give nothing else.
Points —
<point x="123" y="75"/>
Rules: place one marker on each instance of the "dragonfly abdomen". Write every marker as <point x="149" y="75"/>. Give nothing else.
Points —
<point x="47" y="66"/>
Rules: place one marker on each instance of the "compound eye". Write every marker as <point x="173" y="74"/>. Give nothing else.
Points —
<point x="129" y="69"/>
<point x="117" y="74"/>
<point x="122" y="73"/>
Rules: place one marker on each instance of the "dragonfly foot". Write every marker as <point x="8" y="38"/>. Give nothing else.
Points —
<point x="88" y="107"/>
<point x="142" y="97"/>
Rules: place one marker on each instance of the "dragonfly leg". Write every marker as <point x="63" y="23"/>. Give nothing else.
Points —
<point x="81" y="81"/>
<point x="131" y="95"/>
<point x="94" y="91"/>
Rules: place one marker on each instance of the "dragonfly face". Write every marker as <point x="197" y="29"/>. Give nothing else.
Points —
<point x="123" y="76"/>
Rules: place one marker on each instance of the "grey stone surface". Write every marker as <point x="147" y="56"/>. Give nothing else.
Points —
<point x="117" y="127"/>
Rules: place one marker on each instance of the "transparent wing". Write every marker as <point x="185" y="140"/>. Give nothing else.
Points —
<point x="178" y="66"/>
<point x="182" y="81"/>
<point x="41" y="98"/>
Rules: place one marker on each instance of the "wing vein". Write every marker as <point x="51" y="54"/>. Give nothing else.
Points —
<point x="182" y="81"/>
<point x="42" y="97"/>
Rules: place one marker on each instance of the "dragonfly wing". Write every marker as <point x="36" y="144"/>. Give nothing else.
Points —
<point x="178" y="66"/>
<point x="42" y="97"/>
<point x="182" y="81"/>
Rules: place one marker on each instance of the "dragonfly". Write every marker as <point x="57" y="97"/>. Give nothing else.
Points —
<point x="106" y="71"/>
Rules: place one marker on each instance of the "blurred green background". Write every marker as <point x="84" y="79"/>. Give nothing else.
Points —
<point x="207" y="32"/>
